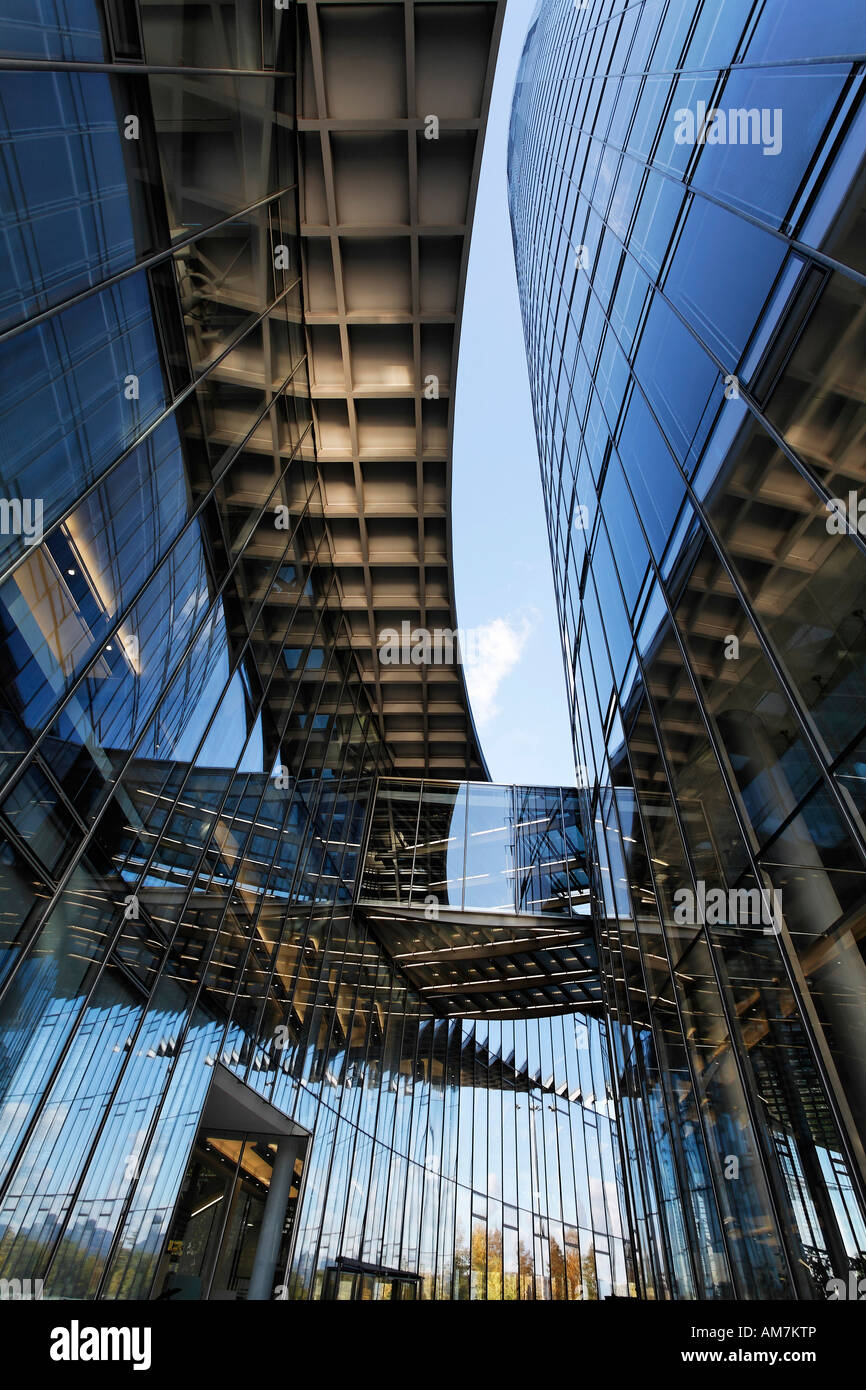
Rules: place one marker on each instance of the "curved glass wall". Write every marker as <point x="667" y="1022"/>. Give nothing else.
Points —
<point x="189" y="754"/>
<point x="686" y="189"/>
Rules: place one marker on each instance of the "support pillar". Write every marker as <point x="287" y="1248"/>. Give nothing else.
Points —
<point x="273" y="1219"/>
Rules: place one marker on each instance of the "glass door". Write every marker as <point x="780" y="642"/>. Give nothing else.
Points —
<point x="212" y="1242"/>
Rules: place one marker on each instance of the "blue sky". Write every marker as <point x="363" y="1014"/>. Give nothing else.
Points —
<point x="502" y="568"/>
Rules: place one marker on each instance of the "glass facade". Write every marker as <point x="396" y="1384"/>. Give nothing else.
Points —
<point x="289" y="1008"/>
<point x="686" y="187"/>
<point x="480" y="894"/>
<point x="514" y="850"/>
<point x="169" y="633"/>
<point x="217" y="1077"/>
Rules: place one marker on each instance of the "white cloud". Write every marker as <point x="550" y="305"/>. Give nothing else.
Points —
<point x="499" y="646"/>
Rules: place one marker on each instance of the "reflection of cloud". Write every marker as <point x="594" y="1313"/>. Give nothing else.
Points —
<point x="498" y="648"/>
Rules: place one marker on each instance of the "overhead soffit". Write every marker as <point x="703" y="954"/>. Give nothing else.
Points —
<point x="385" y="221"/>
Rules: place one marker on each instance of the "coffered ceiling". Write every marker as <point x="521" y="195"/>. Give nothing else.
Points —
<point x="392" y="104"/>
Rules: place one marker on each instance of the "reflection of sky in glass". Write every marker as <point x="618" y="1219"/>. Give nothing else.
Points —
<point x="517" y="854"/>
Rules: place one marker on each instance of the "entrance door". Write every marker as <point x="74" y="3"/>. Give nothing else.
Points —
<point x="350" y="1280"/>
<point x="214" y="1236"/>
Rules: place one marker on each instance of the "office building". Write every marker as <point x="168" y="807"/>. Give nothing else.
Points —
<point x="234" y="1065"/>
<point x="687" y="186"/>
<point x="295" y="1002"/>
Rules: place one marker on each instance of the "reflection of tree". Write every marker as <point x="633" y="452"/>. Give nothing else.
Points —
<point x="78" y="1267"/>
<point x="817" y="1262"/>
<point x="480" y="1265"/>
<point x="571" y="1277"/>
<point x="526" y="1269"/>
<point x="589" y="1277"/>
<point x="494" y="1263"/>
<point x="557" y="1270"/>
<point x="462" y="1265"/>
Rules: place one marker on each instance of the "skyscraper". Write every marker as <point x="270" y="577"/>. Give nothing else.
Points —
<point x="686" y="188"/>
<point x="294" y="1003"/>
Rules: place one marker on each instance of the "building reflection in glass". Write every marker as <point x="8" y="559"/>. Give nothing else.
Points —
<point x="694" y="318"/>
<point x="216" y="1081"/>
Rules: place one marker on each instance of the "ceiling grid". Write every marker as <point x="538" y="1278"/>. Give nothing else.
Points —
<point x="385" y="221"/>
